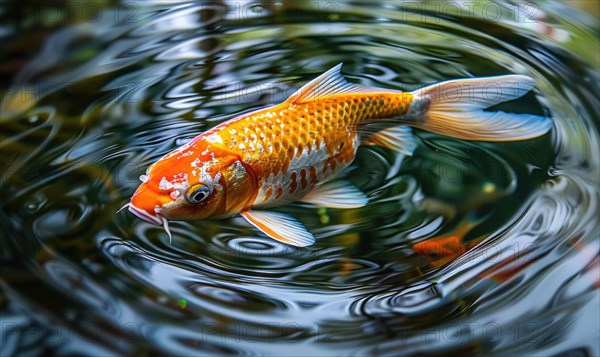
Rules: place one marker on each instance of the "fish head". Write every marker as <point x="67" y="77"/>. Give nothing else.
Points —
<point x="197" y="182"/>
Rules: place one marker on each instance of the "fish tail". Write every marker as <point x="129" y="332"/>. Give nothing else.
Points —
<point x="456" y="108"/>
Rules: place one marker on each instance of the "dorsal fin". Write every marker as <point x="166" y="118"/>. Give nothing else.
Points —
<point x="329" y="83"/>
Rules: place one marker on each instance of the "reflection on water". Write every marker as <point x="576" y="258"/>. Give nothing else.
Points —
<point x="465" y="247"/>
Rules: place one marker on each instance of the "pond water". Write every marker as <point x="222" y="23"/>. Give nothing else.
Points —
<point x="465" y="247"/>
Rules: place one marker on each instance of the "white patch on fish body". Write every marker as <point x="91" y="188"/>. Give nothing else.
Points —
<point x="164" y="184"/>
<point x="283" y="179"/>
<point x="272" y="182"/>
<point x="179" y="181"/>
<point x="317" y="158"/>
<point x="178" y="150"/>
<point x="144" y="178"/>
<point x="204" y="176"/>
<point x="185" y="154"/>
<point x="239" y="171"/>
<point x="214" y="138"/>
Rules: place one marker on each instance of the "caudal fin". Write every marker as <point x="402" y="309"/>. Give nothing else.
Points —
<point x="456" y="108"/>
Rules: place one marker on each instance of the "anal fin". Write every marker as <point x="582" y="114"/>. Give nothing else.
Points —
<point x="280" y="227"/>
<point x="397" y="138"/>
<point x="336" y="194"/>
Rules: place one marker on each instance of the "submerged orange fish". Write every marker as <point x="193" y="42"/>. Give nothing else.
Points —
<point x="290" y="151"/>
<point x="443" y="249"/>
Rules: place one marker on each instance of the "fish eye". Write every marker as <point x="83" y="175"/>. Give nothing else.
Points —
<point x="197" y="193"/>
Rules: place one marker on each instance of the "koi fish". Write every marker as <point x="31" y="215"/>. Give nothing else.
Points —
<point x="443" y="249"/>
<point x="290" y="151"/>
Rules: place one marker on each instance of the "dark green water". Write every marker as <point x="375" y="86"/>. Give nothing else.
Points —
<point x="94" y="92"/>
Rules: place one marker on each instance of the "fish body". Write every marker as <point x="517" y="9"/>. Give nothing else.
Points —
<point x="291" y="147"/>
<point x="290" y="151"/>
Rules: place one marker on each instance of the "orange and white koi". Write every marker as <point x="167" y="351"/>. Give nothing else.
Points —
<point x="290" y="151"/>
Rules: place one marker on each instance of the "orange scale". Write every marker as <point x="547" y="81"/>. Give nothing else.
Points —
<point x="303" y="181"/>
<point x="277" y="168"/>
<point x="278" y="192"/>
<point x="293" y="183"/>
<point x="268" y="194"/>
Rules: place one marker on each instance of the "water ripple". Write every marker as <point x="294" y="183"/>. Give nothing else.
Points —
<point x="99" y="102"/>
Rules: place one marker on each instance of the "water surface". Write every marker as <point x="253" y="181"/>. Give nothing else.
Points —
<point x="93" y="93"/>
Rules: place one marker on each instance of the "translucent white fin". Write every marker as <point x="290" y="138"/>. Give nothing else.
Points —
<point x="455" y="108"/>
<point x="336" y="194"/>
<point x="397" y="138"/>
<point x="280" y="227"/>
<point x="329" y="83"/>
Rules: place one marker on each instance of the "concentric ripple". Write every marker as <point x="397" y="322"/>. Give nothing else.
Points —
<point x="465" y="247"/>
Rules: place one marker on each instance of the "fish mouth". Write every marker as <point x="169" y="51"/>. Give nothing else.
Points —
<point x="158" y="220"/>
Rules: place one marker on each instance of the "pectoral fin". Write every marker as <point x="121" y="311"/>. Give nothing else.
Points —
<point x="336" y="194"/>
<point x="397" y="138"/>
<point x="280" y="227"/>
